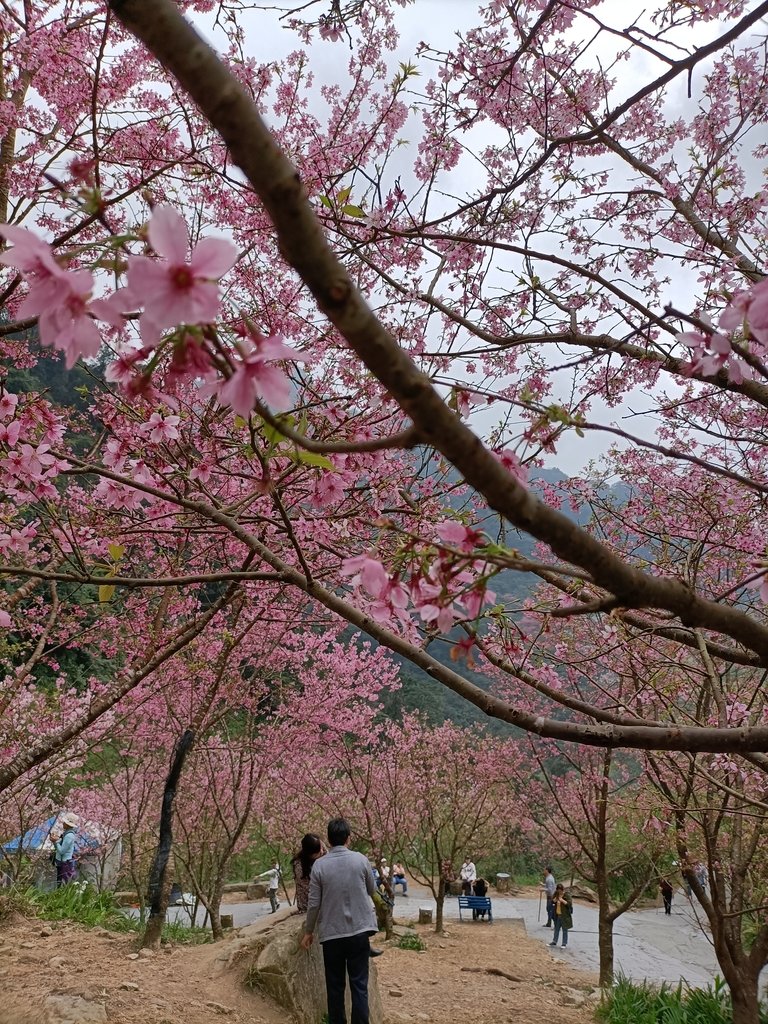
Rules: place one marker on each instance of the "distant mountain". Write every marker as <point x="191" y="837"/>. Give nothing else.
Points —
<point x="419" y="691"/>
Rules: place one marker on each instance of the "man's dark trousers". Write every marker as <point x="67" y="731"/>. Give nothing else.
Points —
<point x="341" y="957"/>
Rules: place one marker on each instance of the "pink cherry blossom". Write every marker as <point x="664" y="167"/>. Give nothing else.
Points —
<point x="368" y="572"/>
<point x="202" y="472"/>
<point x="30" y="254"/>
<point x="59" y="298"/>
<point x="512" y="464"/>
<point x="459" y="536"/>
<point x="161" y="428"/>
<point x="180" y="288"/>
<point x="8" y="403"/>
<point x="121" y="371"/>
<point x="257" y="376"/>
<point x="9" y="433"/>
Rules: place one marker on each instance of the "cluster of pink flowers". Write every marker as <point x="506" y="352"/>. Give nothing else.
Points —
<point x="452" y="588"/>
<point x="175" y="289"/>
<point x="59" y="298"/>
<point x="747" y="315"/>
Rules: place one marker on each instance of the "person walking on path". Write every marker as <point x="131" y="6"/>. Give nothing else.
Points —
<point x="549" y="888"/>
<point x="273" y="877"/>
<point x="666" y="895"/>
<point x="468" y="876"/>
<point x="340" y="907"/>
<point x="64" y="849"/>
<point x="563" y="908"/>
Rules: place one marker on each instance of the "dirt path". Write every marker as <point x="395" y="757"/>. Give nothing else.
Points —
<point x="97" y="976"/>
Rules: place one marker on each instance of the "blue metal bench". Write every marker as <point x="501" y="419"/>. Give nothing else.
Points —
<point x="475" y="903"/>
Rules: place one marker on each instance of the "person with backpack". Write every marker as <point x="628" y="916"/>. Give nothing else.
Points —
<point x="64" y="848"/>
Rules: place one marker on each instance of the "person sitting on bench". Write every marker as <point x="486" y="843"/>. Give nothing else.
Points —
<point x="398" y="878"/>
<point x="480" y="888"/>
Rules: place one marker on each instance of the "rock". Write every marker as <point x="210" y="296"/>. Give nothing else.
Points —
<point x="132" y="956"/>
<point x="46" y="932"/>
<point x="27" y="945"/>
<point x="256" y="891"/>
<point x="57" y="961"/>
<point x="130" y="986"/>
<point x="225" y="1011"/>
<point x="126" y="897"/>
<point x="422" y="1016"/>
<point x="146" y="954"/>
<point x="401" y="930"/>
<point x="395" y="992"/>
<point x="63" y="1009"/>
<point x="293" y="977"/>
<point x="580" y="891"/>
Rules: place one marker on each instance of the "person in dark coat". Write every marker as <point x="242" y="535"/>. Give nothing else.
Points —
<point x="480" y="888"/>
<point x="563" y="915"/>
<point x="666" y="895"/>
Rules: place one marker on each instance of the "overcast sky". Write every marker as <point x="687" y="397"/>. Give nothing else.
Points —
<point x="437" y="22"/>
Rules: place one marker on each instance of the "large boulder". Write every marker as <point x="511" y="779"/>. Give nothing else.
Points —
<point x="256" y="891"/>
<point x="580" y="891"/>
<point x="273" y="962"/>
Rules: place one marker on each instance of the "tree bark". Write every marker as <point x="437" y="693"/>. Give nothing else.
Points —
<point x="746" y="1007"/>
<point x="439" y="901"/>
<point x="605" y="945"/>
<point x="158" y="882"/>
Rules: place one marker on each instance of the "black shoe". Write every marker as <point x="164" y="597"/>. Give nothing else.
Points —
<point x="553" y="943"/>
<point x="375" y="952"/>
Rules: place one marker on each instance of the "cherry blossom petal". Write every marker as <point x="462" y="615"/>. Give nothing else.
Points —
<point x="213" y="257"/>
<point x="168" y="234"/>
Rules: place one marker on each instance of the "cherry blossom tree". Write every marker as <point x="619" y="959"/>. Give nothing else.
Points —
<point x="449" y="794"/>
<point x="716" y="815"/>
<point x="583" y="202"/>
<point x="597" y="814"/>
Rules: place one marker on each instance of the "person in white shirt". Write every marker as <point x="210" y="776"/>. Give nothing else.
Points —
<point x="468" y="875"/>
<point x="273" y="884"/>
<point x="549" y="886"/>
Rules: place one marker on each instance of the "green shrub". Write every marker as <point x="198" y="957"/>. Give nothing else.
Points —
<point x="629" y="1003"/>
<point x="411" y="942"/>
<point x="87" y="906"/>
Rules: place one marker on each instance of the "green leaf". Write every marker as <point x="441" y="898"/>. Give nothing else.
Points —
<point x="116" y="551"/>
<point x="326" y="202"/>
<point x="272" y="434"/>
<point x="344" y="195"/>
<point x="314" y="459"/>
<point x="240" y="422"/>
<point x="353" y="211"/>
<point x="106" y="593"/>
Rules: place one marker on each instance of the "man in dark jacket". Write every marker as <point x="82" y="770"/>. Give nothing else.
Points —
<point x="340" y="906"/>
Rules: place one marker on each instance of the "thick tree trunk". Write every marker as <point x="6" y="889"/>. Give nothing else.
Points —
<point x="214" y="913"/>
<point x="605" y="945"/>
<point x="159" y="884"/>
<point x="746" y="1008"/>
<point x="439" y="901"/>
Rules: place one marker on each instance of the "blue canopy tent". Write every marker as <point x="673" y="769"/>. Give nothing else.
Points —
<point x="35" y="839"/>
<point x="97" y="851"/>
